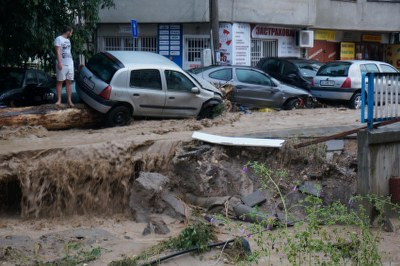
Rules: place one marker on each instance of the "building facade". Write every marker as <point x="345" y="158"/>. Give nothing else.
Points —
<point x="252" y="29"/>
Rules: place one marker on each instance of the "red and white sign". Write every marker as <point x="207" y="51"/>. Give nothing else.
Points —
<point x="241" y="44"/>
<point x="225" y="42"/>
<point x="286" y="38"/>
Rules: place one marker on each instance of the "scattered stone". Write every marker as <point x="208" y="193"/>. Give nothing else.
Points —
<point x="128" y="237"/>
<point x="311" y="188"/>
<point x="152" y="181"/>
<point x="255" y="198"/>
<point x="145" y="193"/>
<point x="177" y="205"/>
<point x="206" y="202"/>
<point x="334" y="145"/>
<point x="156" y="225"/>
<point x="248" y="214"/>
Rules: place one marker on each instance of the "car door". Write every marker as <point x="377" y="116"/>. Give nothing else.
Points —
<point x="273" y="67"/>
<point x="255" y="89"/>
<point x="146" y="92"/>
<point x="180" y="100"/>
<point x="290" y="74"/>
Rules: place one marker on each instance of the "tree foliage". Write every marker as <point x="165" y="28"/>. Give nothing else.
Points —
<point x="28" y="27"/>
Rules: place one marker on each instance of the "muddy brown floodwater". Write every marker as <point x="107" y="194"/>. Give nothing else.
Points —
<point x="58" y="187"/>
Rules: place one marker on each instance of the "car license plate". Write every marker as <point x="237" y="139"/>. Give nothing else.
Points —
<point x="327" y="83"/>
<point x="88" y="83"/>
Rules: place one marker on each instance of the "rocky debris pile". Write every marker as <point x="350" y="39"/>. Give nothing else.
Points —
<point x="217" y="180"/>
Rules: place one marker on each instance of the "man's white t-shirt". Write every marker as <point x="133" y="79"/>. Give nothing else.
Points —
<point x="65" y="44"/>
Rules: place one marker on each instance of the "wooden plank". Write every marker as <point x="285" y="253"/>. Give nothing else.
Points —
<point x="238" y="141"/>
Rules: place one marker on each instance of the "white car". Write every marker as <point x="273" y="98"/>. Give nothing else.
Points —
<point x="121" y="84"/>
<point x="341" y="80"/>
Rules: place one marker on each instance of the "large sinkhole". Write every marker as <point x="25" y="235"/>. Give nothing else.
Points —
<point x="10" y="197"/>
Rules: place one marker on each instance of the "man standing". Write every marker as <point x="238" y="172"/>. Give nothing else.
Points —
<point x="65" y="65"/>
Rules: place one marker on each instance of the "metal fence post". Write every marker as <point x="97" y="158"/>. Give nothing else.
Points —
<point x="370" y="100"/>
<point x="363" y="98"/>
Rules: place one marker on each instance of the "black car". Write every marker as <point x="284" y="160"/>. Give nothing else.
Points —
<point x="291" y="70"/>
<point x="21" y="87"/>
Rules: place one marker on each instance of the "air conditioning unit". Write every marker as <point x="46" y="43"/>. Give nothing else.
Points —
<point x="306" y="38"/>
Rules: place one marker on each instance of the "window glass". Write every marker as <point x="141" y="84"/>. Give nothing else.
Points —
<point x="146" y="78"/>
<point x="104" y="66"/>
<point x="388" y="69"/>
<point x="30" y="77"/>
<point x="177" y="81"/>
<point x="339" y="69"/>
<point x="223" y="74"/>
<point x="252" y="77"/>
<point x="363" y="69"/>
<point x="289" y="68"/>
<point x="273" y="66"/>
<point x="372" y="68"/>
<point x="42" y="78"/>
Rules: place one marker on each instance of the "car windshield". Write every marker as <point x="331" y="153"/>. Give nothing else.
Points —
<point x="11" y="79"/>
<point x="337" y="69"/>
<point x="104" y="66"/>
<point x="308" y="70"/>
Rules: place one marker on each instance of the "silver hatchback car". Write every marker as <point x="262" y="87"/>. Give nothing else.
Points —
<point x="341" y="80"/>
<point x="124" y="83"/>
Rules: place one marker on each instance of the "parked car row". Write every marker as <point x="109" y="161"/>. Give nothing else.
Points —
<point x="122" y="84"/>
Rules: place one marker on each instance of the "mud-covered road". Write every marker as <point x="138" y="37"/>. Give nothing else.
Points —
<point x="140" y="131"/>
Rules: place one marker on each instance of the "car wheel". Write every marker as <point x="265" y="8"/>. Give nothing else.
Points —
<point x="355" y="102"/>
<point x="118" y="116"/>
<point x="292" y="104"/>
<point x="211" y="112"/>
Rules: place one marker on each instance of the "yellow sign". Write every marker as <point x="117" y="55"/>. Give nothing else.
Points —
<point x="325" y="35"/>
<point x="393" y="55"/>
<point x="347" y="50"/>
<point x="372" y="38"/>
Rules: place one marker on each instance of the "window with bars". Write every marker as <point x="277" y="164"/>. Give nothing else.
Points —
<point x="263" y="48"/>
<point x="194" y="47"/>
<point x="127" y="43"/>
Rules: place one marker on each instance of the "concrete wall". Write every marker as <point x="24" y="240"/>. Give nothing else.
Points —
<point x="150" y="11"/>
<point x="359" y="15"/>
<point x="378" y="160"/>
<point x="284" y="12"/>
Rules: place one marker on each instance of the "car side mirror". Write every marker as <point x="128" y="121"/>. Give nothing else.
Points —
<point x="195" y="90"/>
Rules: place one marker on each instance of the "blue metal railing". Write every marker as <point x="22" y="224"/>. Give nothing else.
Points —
<point x="383" y="97"/>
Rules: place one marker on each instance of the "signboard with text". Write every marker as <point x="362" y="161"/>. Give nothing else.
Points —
<point x="241" y="44"/>
<point x="325" y="35"/>
<point x="170" y="42"/>
<point x="286" y="38"/>
<point x="134" y="28"/>
<point x="347" y="50"/>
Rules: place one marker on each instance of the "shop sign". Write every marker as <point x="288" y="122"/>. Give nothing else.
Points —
<point x="371" y="38"/>
<point x="225" y="43"/>
<point x="286" y="38"/>
<point x="241" y="44"/>
<point x="393" y="55"/>
<point x="170" y="42"/>
<point x="347" y="50"/>
<point x="325" y="35"/>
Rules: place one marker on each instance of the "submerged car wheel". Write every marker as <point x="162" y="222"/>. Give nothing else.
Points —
<point x="355" y="102"/>
<point x="118" y="116"/>
<point x="292" y="104"/>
